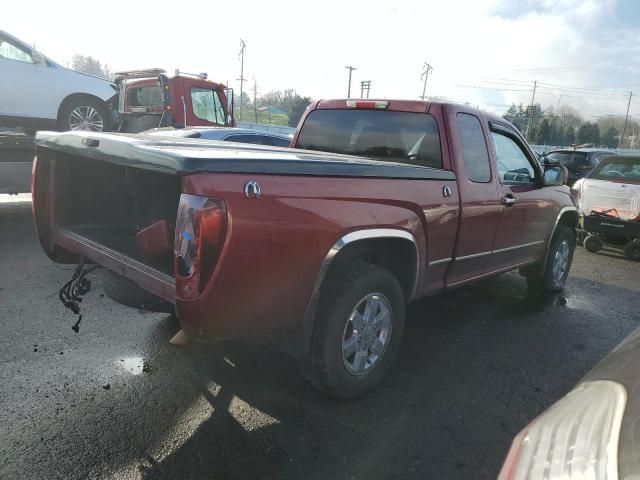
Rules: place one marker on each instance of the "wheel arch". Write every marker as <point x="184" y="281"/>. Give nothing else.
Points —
<point x="78" y="96"/>
<point x="392" y="248"/>
<point x="566" y="216"/>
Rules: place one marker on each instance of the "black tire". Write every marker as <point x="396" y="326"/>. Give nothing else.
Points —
<point x="632" y="250"/>
<point x="593" y="243"/>
<point x="542" y="277"/>
<point x="344" y="289"/>
<point x="84" y="104"/>
<point x="127" y="292"/>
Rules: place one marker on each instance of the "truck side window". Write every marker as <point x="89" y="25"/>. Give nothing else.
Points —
<point x="206" y="105"/>
<point x="514" y="168"/>
<point x="474" y="148"/>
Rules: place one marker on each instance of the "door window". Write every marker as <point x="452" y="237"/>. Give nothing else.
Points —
<point x="513" y="165"/>
<point x="13" y="52"/>
<point x="474" y="148"/>
<point x="206" y="105"/>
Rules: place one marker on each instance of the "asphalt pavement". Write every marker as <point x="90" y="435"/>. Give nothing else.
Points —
<point x="117" y="401"/>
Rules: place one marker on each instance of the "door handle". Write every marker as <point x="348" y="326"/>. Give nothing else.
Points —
<point x="508" y="200"/>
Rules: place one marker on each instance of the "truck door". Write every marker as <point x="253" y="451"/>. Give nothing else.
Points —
<point x="204" y="106"/>
<point x="526" y="214"/>
<point x="480" y="201"/>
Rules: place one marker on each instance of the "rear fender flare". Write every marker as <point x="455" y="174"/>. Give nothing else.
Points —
<point x="302" y="335"/>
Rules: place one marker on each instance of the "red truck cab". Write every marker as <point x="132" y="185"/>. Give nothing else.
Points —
<point x="151" y="98"/>
<point x="382" y="202"/>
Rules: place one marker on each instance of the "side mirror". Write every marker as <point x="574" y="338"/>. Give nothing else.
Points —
<point x="38" y="58"/>
<point x="555" y="175"/>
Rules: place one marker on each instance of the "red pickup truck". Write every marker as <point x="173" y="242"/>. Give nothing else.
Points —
<point x="321" y="249"/>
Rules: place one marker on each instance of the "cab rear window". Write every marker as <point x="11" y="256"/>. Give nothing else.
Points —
<point x="403" y="137"/>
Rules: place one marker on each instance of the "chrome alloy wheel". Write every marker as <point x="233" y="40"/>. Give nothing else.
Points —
<point x="366" y="334"/>
<point x="86" y="118"/>
<point x="560" y="261"/>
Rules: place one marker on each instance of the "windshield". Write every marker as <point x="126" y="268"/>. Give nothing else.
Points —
<point x="623" y="169"/>
<point x="393" y="136"/>
<point x="568" y="159"/>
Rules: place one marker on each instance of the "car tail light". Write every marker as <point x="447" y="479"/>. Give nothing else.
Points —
<point x="368" y="104"/>
<point x="576" y="438"/>
<point x="200" y="231"/>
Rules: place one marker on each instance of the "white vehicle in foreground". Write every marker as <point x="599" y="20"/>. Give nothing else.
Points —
<point x="37" y="93"/>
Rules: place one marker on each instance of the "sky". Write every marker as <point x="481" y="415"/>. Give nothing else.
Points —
<point x="485" y="52"/>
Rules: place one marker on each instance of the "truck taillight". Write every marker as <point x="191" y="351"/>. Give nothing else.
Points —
<point x="200" y="230"/>
<point x="368" y="104"/>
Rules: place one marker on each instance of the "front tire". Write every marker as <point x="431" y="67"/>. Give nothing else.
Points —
<point x="358" y="330"/>
<point x="84" y="114"/>
<point x="552" y="275"/>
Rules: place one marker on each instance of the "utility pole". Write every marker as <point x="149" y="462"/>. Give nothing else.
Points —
<point x="255" y="98"/>
<point x="365" y="85"/>
<point x="626" y="118"/>
<point x="530" y="116"/>
<point x="351" y="69"/>
<point x="425" y="73"/>
<point x="241" y="79"/>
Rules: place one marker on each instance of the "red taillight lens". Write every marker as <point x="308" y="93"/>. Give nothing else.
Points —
<point x="200" y="231"/>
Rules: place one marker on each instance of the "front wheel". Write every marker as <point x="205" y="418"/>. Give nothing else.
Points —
<point x="551" y="275"/>
<point x="84" y="114"/>
<point x="357" y="332"/>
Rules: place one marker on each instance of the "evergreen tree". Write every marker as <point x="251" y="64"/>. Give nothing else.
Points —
<point x="544" y="133"/>
<point x="610" y="137"/>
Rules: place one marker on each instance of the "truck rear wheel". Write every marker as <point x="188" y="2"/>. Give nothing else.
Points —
<point x="552" y="275"/>
<point x="127" y="292"/>
<point x="358" y="330"/>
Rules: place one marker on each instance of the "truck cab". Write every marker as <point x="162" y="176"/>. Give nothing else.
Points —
<point x="152" y="98"/>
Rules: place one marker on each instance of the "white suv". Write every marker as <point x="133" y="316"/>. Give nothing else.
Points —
<point x="36" y="92"/>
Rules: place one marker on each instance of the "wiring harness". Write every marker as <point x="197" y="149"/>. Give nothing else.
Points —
<point x="74" y="290"/>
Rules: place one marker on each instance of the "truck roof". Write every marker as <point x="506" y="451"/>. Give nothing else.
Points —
<point x="186" y="156"/>
<point x="399" y="105"/>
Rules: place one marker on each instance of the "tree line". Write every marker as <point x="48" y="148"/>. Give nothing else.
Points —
<point x="565" y="126"/>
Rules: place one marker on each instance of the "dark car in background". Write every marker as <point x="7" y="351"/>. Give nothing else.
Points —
<point x="240" y="135"/>
<point x="579" y="161"/>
